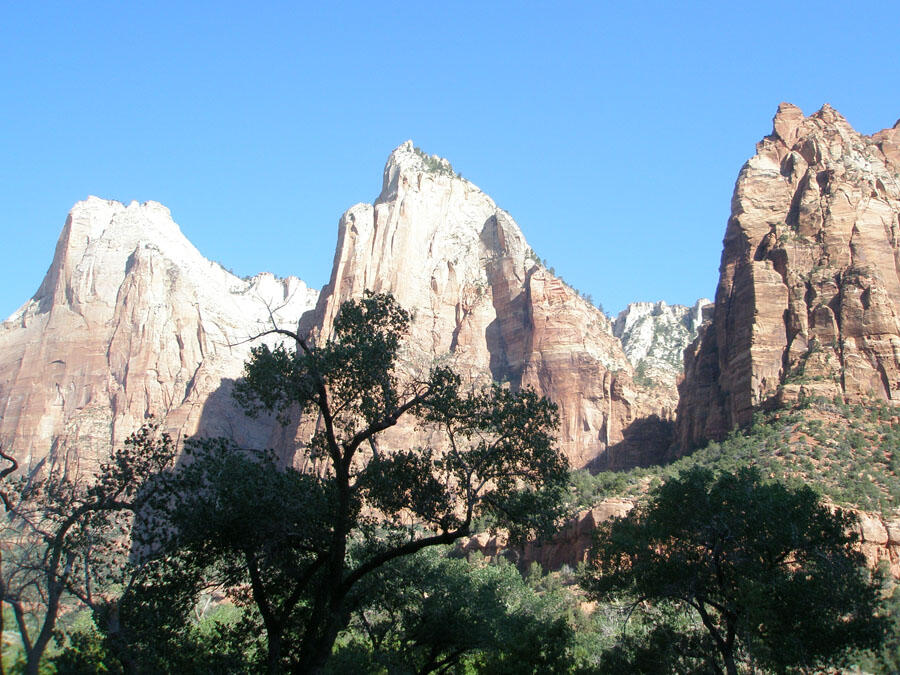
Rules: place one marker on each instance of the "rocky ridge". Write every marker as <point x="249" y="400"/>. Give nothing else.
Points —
<point x="809" y="290"/>
<point x="879" y="539"/>
<point x="483" y="302"/>
<point x="131" y="320"/>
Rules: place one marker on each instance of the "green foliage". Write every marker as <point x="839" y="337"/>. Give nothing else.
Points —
<point x="435" y="164"/>
<point x="886" y="658"/>
<point x="293" y="548"/>
<point x="429" y="613"/>
<point x="67" y="542"/>
<point x="770" y="572"/>
<point x="850" y="454"/>
<point x="640" y="375"/>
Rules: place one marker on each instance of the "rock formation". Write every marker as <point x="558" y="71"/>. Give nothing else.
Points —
<point x="809" y="290"/>
<point x="129" y="321"/>
<point x="482" y="300"/>
<point x="654" y="336"/>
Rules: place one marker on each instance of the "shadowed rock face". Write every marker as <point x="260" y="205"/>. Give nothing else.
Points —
<point x="483" y="302"/>
<point x="129" y="321"/>
<point x="809" y="289"/>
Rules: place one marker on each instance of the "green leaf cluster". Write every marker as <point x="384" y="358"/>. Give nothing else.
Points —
<point x="771" y="573"/>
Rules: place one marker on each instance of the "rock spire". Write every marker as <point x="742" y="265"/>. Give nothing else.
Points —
<point x="809" y="289"/>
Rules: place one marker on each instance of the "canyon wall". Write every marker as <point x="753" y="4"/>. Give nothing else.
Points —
<point x="131" y="321"/>
<point x="809" y="289"/>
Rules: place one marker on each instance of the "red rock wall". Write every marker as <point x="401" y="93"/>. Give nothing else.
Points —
<point x="809" y="288"/>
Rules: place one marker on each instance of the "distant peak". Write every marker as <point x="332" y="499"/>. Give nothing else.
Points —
<point x="828" y="114"/>
<point x="785" y="108"/>
<point x="786" y="123"/>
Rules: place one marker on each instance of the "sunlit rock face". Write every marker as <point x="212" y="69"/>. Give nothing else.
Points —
<point x="809" y="289"/>
<point x="483" y="303"/>
<point x="654" y="336"/>
<point x="131" y="321"/>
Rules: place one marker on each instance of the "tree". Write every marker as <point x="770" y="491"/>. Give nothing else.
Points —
<point x="769" y="571"/>
<point x="69" y="539"/>
<point x="7" y="505"/>
<point x="292" y="546"/>
<point x="432" y="613"/>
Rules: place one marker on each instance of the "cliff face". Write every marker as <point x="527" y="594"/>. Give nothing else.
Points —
<point x="129" y="321"/>
<point x="809" y="290"/>
<point x="132" y="321"/>
<point x="482" y="300"/>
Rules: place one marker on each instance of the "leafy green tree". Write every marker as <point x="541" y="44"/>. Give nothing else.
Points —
<point x="293" y="546"/>
<point x="886" y="659"/>
<point x="770" y="572"/>
<point x="67" y="540"/>
<point x="431" y="613"/>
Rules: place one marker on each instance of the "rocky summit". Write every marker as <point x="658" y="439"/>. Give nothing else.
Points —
<point x="483" y="301"/>
<point x="131" y="321"/>
<point x="809" y="289"/>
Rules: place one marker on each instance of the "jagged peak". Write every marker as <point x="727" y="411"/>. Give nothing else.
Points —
<point x="409" y="160"/>
<point x="408" y="153"/>
<point x="789" y="122"/>
<point x="829" y="115"/>
<point x="100" y="236"/>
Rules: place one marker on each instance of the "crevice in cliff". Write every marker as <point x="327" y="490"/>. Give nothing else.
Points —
<point x="454" y="339"/>
<point x="885" y="382"/>
<point x="792" y="219"/>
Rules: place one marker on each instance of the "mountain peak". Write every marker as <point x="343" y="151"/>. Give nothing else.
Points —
<point x="411" y="162"/>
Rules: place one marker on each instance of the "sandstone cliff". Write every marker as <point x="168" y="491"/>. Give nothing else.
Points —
<point x="482" y="300"/>
<point x="129" y="321"/>
<point x="809" y="290"/>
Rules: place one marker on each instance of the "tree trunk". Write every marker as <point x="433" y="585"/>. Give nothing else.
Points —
<point x="273" y="657"/>
<point x="317" y="647"/>
<point x="730" y="667"/>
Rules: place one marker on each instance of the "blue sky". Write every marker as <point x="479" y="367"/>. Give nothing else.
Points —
<point x="612" y="133"/>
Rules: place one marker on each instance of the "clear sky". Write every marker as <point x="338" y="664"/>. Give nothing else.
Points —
<point x="612" y="132"/>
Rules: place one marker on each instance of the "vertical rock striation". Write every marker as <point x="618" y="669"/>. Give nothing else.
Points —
<point x="809" y="290"/>
<point x="482" y="300"/>
<point x="130" y="320"/>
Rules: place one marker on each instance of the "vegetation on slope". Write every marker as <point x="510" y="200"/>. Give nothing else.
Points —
<point x="848" y="453"/>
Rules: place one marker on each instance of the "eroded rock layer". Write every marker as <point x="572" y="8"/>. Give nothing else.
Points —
<point x="809" y="290"/>
<point x="482" y="300"/>
<point x="131" y="321"/>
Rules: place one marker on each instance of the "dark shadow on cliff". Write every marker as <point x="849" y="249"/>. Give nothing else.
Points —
<point x="646" y="443"/>
<point x="223" y="417"/>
